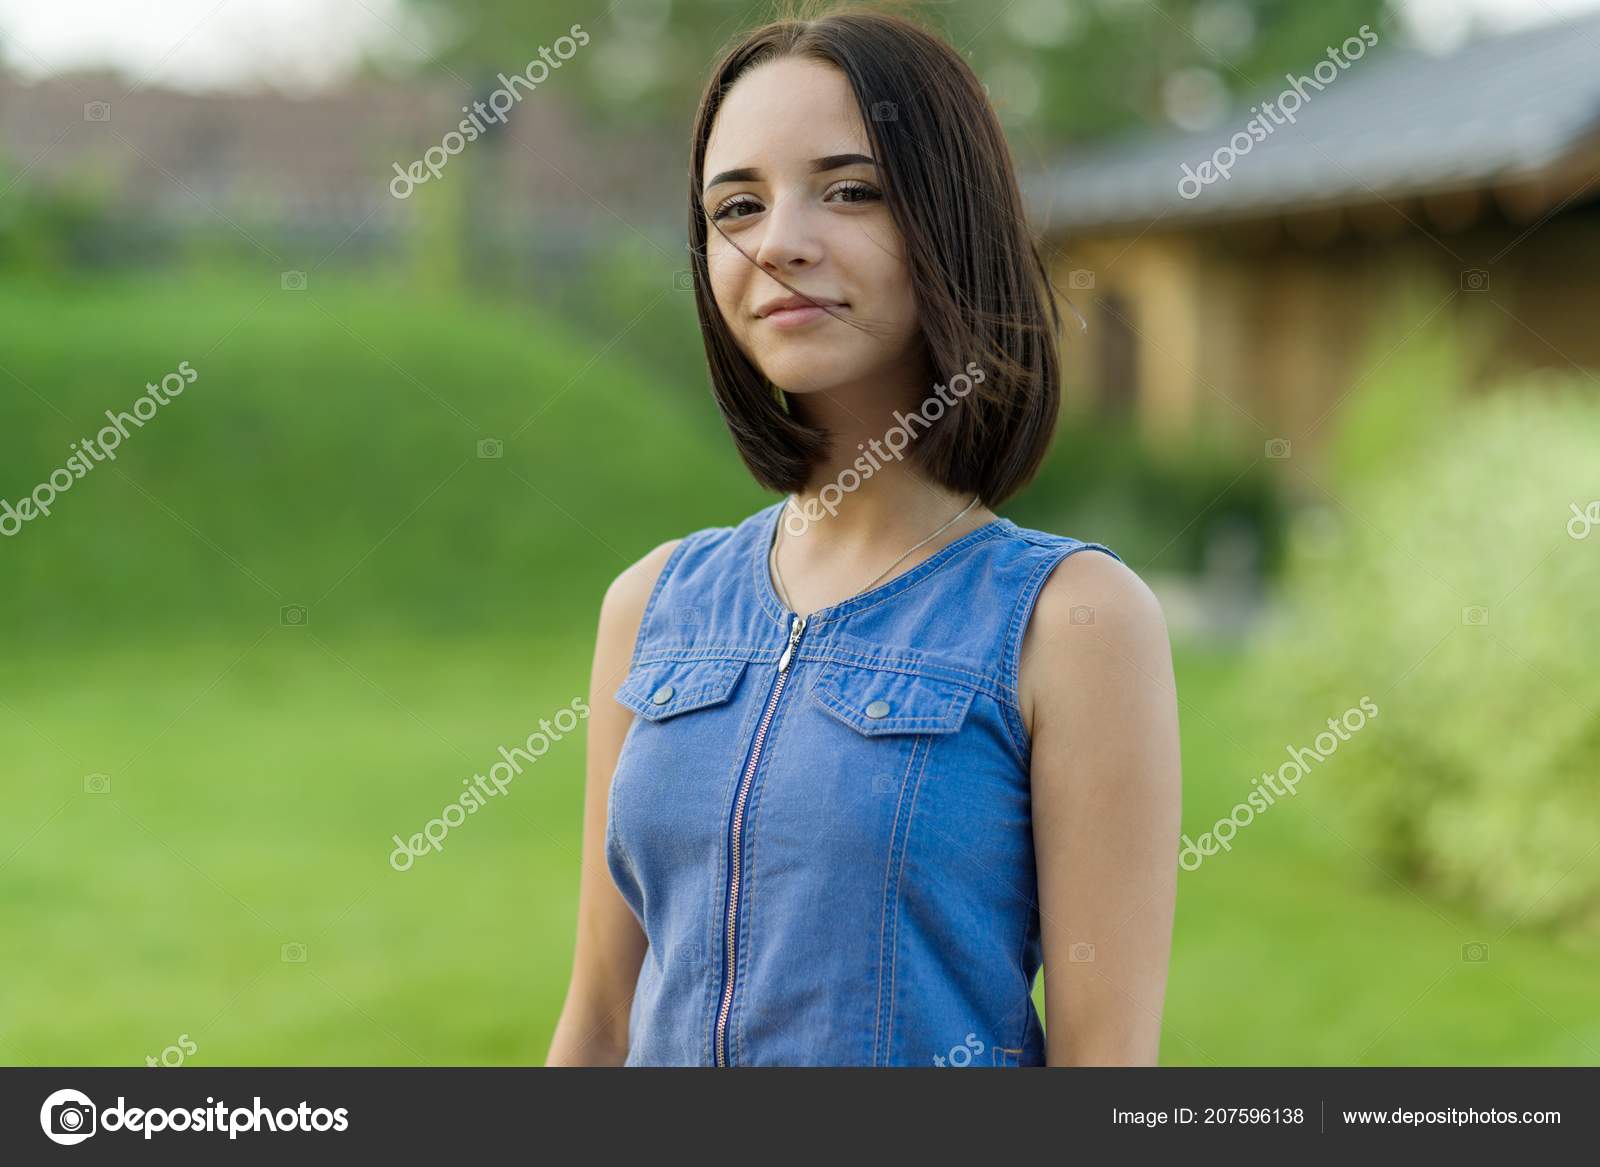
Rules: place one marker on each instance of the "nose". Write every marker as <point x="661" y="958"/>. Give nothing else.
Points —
<point x="789" y="238"/>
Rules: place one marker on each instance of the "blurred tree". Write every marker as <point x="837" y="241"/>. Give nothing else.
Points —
<point x="1063" y="69"/>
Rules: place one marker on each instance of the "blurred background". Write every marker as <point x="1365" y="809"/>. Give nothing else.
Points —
<point x="1338" y="405"/>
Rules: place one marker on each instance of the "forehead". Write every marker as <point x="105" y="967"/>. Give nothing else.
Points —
<point x="783" y="114"/>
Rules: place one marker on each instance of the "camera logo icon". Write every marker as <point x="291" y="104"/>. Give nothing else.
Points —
<point x="1081" y="615"/>
<point x="1080" y="279"/>
<point x="294" y="281"/>
<point x="1278" y="447"/>
<point x="1475" y="280"/>
<point x="97" y="111"/>
<point x="683" y="281"/>
<point x="293" y="615"/>
<point x="96" y="784"/>
<point x="489" y="448"/>
<point x="885" y="111"/>
<point x="292" y="953"/>
<point x="68" y="1117"/>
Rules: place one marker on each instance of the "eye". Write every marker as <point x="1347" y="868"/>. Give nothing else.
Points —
<point x="852" y="191"/>
<point x="728" y="206"/>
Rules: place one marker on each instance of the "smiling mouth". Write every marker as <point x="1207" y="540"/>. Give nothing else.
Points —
<point x="799" y="316"/>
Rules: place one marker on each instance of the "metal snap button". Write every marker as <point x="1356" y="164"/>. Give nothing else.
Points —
<point x="662" y="695"/>
<point x="878" y="709"/>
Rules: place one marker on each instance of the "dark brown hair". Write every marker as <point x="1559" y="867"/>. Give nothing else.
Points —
<point x="980" y="283"/>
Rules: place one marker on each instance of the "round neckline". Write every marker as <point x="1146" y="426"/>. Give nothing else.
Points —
<point x="776" y="608"/>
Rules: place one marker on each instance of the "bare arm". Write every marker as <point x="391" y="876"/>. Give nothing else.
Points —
<point x="1100" y="702"/>
<point x="593" y="1029"/>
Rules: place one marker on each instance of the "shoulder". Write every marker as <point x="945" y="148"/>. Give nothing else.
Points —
<point x="1096" y="627"/>
<point x="623" y="608"/>
<point x="627" y="598"/>
<point x="630" y="591"/>
<point x="1091" y="588"/>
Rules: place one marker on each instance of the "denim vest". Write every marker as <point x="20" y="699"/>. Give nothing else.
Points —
<point x="823" y="826"/>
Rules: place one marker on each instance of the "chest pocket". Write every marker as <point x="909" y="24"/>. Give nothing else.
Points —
<point x="871" y="733"/>
<point x="667" y="807"/>
<point x="664" y="689"/>
<point x="875" y="701"/>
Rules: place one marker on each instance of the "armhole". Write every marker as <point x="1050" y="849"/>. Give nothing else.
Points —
<point x="1017" y="632"/>
<point x="656" y="589"/>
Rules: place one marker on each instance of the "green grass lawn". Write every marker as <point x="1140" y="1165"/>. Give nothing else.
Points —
<point x="255" y="783"/>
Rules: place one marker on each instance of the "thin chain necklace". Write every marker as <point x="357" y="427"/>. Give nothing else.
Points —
<point x="777" y="576"/>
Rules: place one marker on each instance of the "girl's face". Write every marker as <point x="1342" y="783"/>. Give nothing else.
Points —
<point x="789" y="177"/>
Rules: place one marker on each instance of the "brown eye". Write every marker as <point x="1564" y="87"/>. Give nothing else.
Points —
<point x="855" y="192"/>
<point x="727" y="208"/>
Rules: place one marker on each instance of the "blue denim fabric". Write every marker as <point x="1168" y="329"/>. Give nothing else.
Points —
<point x="886" y="909"/>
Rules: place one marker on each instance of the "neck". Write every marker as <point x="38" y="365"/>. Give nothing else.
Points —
<point x="868" y="492"/>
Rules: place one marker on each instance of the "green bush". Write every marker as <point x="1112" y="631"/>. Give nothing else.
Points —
<point x="1446" y="586"/>
<point x="47" y="227"/>
<point x="1157" y="508"/>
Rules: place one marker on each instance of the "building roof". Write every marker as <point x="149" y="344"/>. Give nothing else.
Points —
<point x="1395" y="123"/>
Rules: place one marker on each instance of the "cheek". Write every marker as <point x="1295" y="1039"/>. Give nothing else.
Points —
<point x="879" y="255"/>
<point x="725" y="266"/>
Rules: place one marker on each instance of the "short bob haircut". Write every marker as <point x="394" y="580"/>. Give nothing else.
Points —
<point x="981" y="286"/>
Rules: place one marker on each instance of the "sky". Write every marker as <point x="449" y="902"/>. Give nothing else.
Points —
<point x="302" y="45"/>
<point x="204" y="45"/>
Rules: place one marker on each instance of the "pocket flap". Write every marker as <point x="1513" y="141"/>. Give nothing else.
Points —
<point x="664" y="688"/>
<point x="878" y="701"/>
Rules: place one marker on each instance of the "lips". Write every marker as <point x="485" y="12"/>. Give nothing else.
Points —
<point x="788" y="318"/>
<point x="796" y="303"/>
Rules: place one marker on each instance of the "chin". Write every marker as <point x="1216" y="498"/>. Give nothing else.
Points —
<point x="812" y="371"/>
<point x="815" y="381"/>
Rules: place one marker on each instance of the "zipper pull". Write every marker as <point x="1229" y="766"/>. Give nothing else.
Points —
<point x="795" y="629"/>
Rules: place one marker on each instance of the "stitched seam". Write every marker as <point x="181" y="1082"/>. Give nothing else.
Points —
<point x="873" y="727"/>
<point x="913" y="666"/>
<point x="1026" y="600"/>
<point x="978" y="537"/>
<point x="886" y="932"/>
<point x="613" y="838"/>
<point x="670" y="654"/>
<point x="910" y="666"/>
<point x="667" y="570"/>
<point x="905" y="846"/>
<point x="764" y="530"/>
<point x="685" y="703"/>
<point x="1011" y="713"/>
<point x="717" y="906"/>
<point x="747" y="890"/>
<point x="1015" y="630"/>
<point x="769" y="602"/>
<point x="1022" y="947"/>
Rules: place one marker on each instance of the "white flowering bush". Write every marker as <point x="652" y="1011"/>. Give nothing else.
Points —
<point x="1459" y="584"/>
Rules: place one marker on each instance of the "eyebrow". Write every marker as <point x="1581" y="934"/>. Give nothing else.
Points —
<point x="818" y="166"/>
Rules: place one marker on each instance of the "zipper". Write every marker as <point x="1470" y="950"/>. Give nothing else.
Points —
<point x="730" y="940"/>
